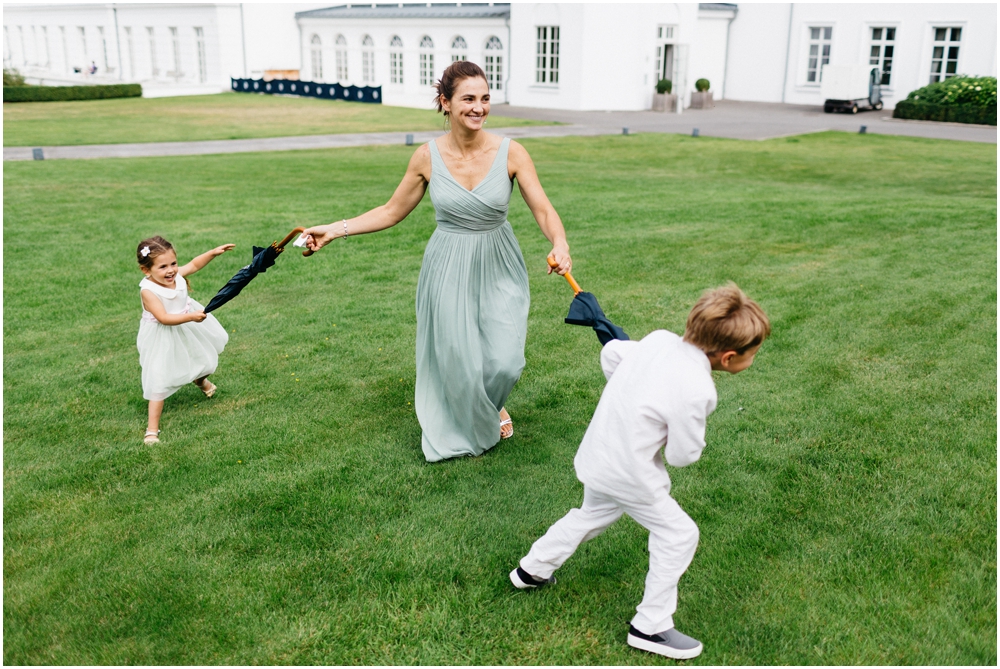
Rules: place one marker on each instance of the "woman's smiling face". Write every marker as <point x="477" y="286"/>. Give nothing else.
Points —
<point x="470" y="105"/>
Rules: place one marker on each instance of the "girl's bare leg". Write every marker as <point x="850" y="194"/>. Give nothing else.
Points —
<point x="155" y="411"/>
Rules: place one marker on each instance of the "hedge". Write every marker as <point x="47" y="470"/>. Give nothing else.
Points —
<point x="60" y="93"/>
<point x="930" y="111"/>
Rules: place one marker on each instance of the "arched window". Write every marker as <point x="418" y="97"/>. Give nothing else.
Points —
<point x="316" y="50"/>
<point x="341" y="56"/>
<point x="493" y="61"/>
<point x="396" y="60"/>
<point x="426" y="61"/>
<point x="459" y="49"/>
<point x="367" y="59"/>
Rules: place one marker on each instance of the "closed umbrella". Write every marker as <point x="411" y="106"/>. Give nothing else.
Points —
<point x="262" y="259"/>
<point x="584" y="310"/>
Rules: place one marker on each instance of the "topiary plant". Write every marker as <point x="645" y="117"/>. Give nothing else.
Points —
<point x="702" y="85"/>
<point x="664" y="86"/>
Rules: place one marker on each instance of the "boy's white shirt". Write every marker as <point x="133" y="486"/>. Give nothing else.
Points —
<point x="660" y="391"/>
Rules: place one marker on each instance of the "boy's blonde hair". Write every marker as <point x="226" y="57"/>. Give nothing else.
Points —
<point x="725" y="319"/>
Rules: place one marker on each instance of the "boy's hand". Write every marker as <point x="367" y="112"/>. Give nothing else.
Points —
<point x="198" y="316"/>
<point x="218" y="251"/>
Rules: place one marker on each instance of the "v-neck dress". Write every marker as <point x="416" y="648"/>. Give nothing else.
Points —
<point x="173" y="356"/>
<point x="472" y="313"/>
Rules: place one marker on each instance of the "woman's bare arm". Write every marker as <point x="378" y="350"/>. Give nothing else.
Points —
<point x="407" y="196"/>
<point x="523" y="169"/>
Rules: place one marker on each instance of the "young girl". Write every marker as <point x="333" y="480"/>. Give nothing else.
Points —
<point x="178" y="342"/>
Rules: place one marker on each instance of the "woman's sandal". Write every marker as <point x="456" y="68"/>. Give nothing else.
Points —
<point x="210" y="390"/>
<point x="152" y="437"/>
<point x="506" y="423"/>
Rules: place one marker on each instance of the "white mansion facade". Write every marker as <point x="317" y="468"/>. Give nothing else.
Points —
<point x="590" y="56"/>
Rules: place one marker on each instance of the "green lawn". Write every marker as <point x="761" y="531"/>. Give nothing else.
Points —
<point x="846" y="500"/>
<point x="203" y="117"/>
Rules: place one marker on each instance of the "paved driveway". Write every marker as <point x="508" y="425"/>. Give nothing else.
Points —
<point x="735" y="120"/>
<point x="757" y="120"/>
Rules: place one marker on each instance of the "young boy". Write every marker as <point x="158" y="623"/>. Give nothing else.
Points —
<point x="659" y="391"/>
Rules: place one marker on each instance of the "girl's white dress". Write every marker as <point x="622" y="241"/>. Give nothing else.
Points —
<point x="174" y="355"/>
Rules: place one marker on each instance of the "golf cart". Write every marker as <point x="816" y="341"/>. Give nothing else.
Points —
<point x="851" y="88"/>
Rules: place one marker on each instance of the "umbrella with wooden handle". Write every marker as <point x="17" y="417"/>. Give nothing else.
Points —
<point x="262" y="259"/>
<point x="584" y="310"/>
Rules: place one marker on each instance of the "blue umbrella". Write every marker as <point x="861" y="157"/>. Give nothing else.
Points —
<point x="262" y="259"/>
<point x="584" y="310"/>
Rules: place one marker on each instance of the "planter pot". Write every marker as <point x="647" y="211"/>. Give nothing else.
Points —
<point x="702" y="100"/>
<point x="664" y="102"/>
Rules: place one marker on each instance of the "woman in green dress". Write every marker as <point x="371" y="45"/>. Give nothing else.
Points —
<point x="472" y="293"/>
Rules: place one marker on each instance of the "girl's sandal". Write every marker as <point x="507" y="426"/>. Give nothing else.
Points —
<point x="508" y="424"/>
<point x="152" y="437"/>
<point x="207" y="387"/>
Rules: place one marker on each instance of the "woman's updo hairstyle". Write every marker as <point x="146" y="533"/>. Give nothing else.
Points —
<point x="454" y="73"/>
<point x="150" y="248"/>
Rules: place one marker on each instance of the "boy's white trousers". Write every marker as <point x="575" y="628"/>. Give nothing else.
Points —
<point x="673" y="538"/>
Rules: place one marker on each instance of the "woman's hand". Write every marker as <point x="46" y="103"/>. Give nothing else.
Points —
<point x="219" y="250"/>
<point x="560" y="254"/>
<point x="319" y="236"/>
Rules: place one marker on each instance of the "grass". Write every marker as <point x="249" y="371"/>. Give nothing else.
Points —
<point x="206" y="117"/>
<point x="846" y="500"/>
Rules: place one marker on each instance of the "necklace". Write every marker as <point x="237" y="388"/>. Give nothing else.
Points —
<point x="476" y="155"/>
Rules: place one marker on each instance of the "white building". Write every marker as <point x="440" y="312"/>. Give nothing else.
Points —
<point x="405" y="48"/>
<point x="171" y="49"/>
<point x="590" y="56"/>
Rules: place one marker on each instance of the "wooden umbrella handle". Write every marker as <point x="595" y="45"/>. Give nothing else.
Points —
<point x="280" y="246"/>
<point x="569" y="277"/>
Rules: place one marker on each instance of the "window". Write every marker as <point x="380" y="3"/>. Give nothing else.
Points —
<point x="154" y="69"/>
<point x="396" y="60"/>
<point x="341" y="54"/>
<point x="45" y="43"/>
<point x="459" y="49"/>
<point x="426" y="61"/>
<point x="547" y="55"/>
<point x="665" y="53"/>
<point x="82" y="33"/>
<point x="104" y="47"/>
<point x="665" y="32"/>
<point x="130" y="50"/>
<point x="819" y="52"/>
<point x="62" y="38"/>
<point x="493" y="60"/>
<point x="883" y="45"/>
<point x="175" y="41"/>
<point x="199" y="45"/>
<point x="316" y="53"/>
<point x="944" y="54"/>
<point x="367" y="59"/>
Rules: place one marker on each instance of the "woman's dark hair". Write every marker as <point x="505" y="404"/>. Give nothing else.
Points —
<point x="456" y="72"/>
<point x="153" y="247"/>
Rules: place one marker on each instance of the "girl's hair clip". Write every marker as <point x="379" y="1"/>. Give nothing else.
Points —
<point x="144" y="251"/>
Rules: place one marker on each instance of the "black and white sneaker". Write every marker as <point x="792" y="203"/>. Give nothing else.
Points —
<point x="671" y="643"/>
<point x="523" y="580"/>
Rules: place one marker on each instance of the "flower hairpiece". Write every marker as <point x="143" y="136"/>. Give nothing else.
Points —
<point x="144" y="251"/>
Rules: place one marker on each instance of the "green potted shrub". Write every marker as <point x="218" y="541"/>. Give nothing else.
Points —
<point x="663" y="100"/>
<point x="702" y="97"/>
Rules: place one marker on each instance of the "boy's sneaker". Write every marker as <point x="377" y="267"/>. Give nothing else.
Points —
<point x="671" y="643"/>
<point x="522" y="580"/>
